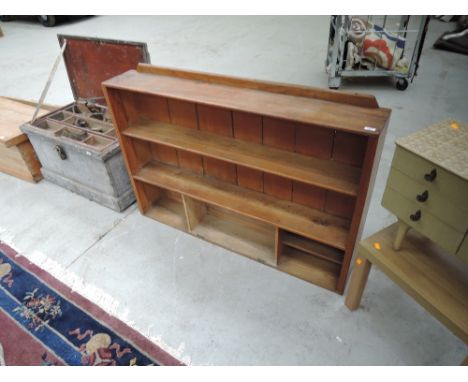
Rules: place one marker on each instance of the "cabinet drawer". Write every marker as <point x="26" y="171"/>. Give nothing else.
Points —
<point x="445" y="183"/>
<point x="437" y="204"/>
<point x="443" y="234"/>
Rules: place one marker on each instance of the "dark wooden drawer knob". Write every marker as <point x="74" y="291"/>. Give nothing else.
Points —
<point x="430" y="177"/>
<point x="416" y="216"/>
<point x="422" y="197"/>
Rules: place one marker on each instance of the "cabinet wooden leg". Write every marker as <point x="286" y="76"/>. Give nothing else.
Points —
<point x="400" y="235"/>
<point x="358" y="283"/>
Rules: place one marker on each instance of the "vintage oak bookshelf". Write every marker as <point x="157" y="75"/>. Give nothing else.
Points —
<point x="275" y="172"/>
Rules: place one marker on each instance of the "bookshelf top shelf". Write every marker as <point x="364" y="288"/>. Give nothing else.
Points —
<point x="328" y="174"/>
<point x="302" y="220"/>
<point x="339" y="116"/>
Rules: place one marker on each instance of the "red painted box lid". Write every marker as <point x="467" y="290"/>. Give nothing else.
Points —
<point x="90" y="61"/>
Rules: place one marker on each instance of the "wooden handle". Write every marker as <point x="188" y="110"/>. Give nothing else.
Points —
<point x="422" y="197"/>
<point x="416" y="216"/>
<point x="430" y="177"/>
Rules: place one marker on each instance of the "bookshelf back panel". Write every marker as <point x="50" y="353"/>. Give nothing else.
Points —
<point x="280" y="187"/>
<point x="306" y="139"/>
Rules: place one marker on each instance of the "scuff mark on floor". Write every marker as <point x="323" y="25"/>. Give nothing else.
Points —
<point x="100" y="237"/>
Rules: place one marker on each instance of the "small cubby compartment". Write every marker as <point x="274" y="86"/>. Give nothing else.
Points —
<point x="79" y="135"/>
<point x="49" y="124"/>
<point x="309" y="260"/>
<point x="312" y="247"/>
<point x="89" y="124"/>
<point x="91" y="110"/>
<point x="94" y="123"/>
<point x="58" y="116"/>
<point x="162" y="205"/>
<point x="249" y="237"/>
<point x="85" y="138"/>
<point x="98" y="142"/>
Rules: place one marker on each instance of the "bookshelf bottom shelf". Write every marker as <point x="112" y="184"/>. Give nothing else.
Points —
<point x="267" y="243"/>
<point x="309" y="268"/>
<point x="250" y="238"/>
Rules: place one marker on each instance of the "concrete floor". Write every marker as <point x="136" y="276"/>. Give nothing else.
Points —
<point x="202" y="303"/>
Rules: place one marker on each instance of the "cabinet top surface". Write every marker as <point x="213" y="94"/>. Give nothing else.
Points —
<point x="435" y="278"/>
<point x="354" y="119"/>
<point x="444" y="144"/>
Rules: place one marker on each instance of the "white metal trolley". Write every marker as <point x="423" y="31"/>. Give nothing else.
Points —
<point x="375" y="46"/>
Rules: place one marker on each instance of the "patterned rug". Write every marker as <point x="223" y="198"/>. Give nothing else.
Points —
<point x="43" y="322"/>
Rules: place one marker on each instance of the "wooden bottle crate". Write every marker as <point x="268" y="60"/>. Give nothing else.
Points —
<point x="76" y="143"/>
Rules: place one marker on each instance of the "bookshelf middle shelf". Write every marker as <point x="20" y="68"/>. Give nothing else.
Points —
<point x="329" y="174"/>
<point x="305" y="221"/>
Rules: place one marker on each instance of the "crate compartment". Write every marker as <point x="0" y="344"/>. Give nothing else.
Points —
<point x="49" y="125"/>
<point x="90" y="121"/>
<point x="75" y="134"/>
<point x="58" y="116"/>
<point x="76" y="108"/>
<point x="96" y="112"/>
<point x="241" y="234"/>
<point x="88" y="124"/>
<point x="83" y="137"/>
<point x="97" y="141"/>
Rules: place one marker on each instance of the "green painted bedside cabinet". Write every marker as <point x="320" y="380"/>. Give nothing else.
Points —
<point x="427" y="188"/>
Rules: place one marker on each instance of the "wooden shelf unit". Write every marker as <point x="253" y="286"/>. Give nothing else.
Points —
<point x="274" y="172"/>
